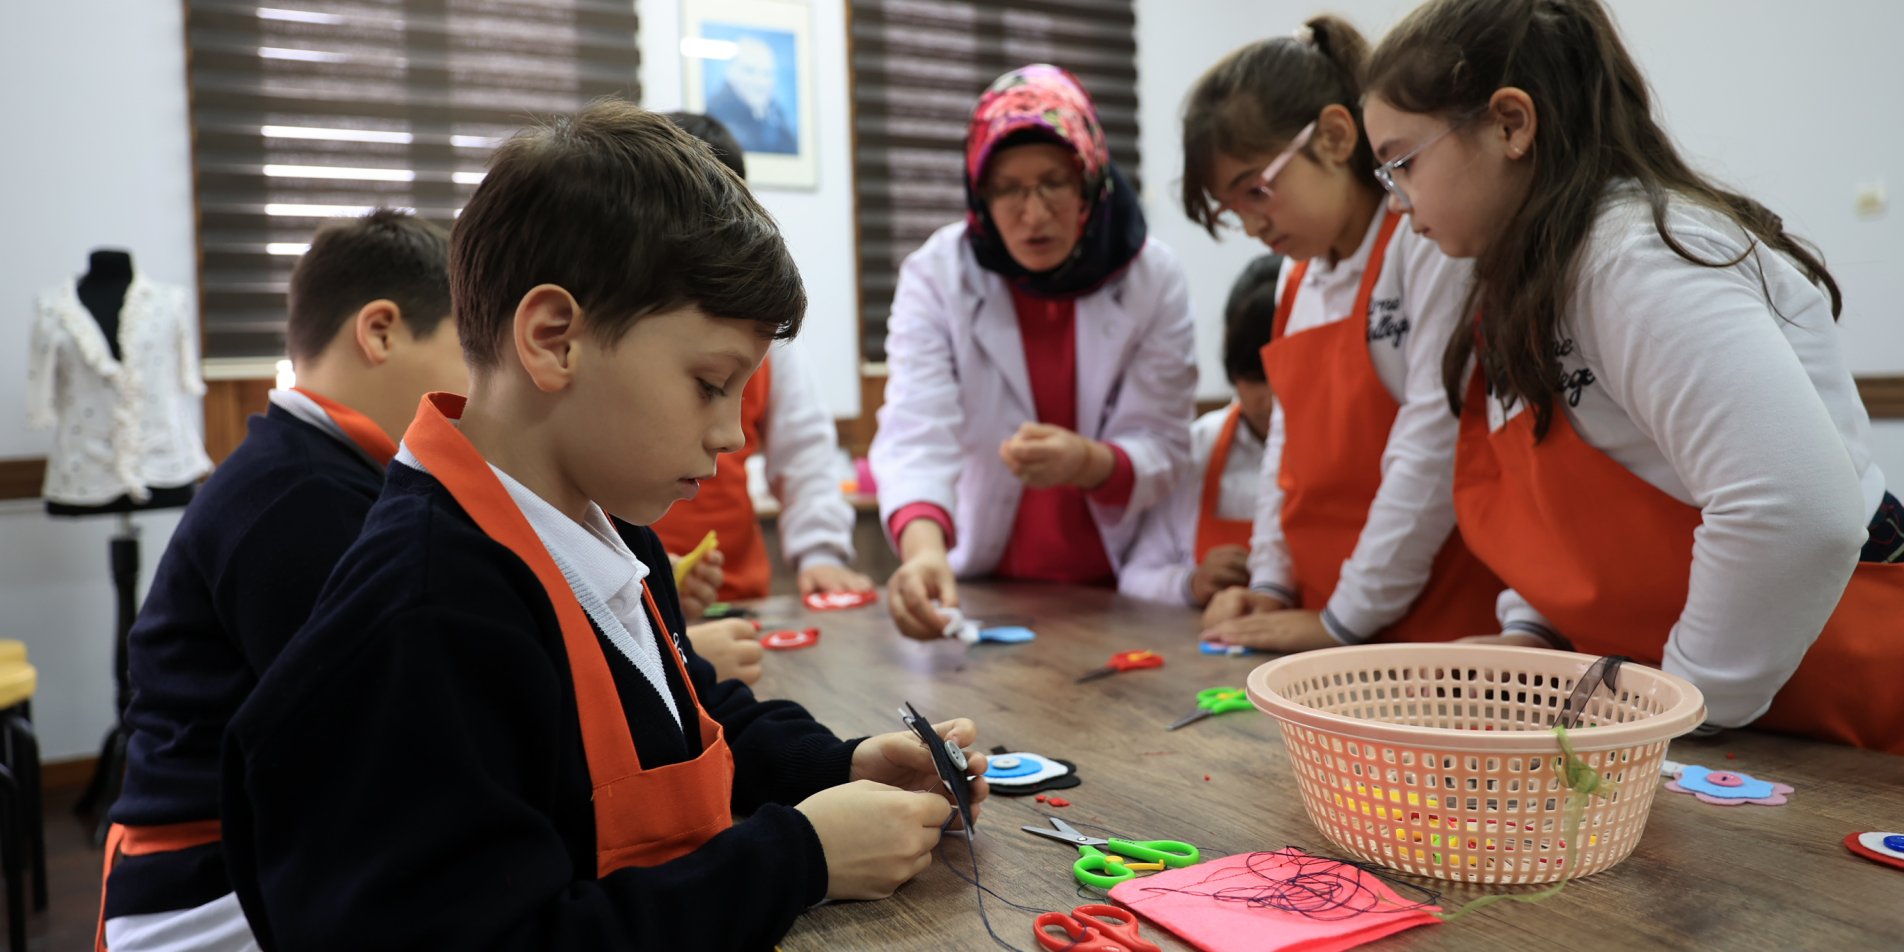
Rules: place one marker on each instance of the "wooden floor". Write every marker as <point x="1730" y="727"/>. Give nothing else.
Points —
<point x="72" y="879"/>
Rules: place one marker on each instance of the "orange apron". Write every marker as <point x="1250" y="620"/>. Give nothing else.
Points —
<point x="643" y="817"/>
<point x="144" y="840"/>
<point x="1213" y="531"/>
<point x="724" y="506"/>
<point x="1336" y="421"/>
<point x="1607" y="558"/>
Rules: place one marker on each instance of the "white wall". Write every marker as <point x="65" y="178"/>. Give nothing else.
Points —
<point x="818" y="223"/>
<point x="1749" y="88"/>
<point x="94" y="93"/>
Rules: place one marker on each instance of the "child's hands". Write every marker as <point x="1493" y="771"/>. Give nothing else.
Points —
<point x="1278" y="631"/>
<point x="900" y="759"/>
<point x="1232" y="603"/>
<point x="827" y="579"/>
<point x="1042" y="455"/>
<point x="702" y="586"/>
<point x="731" y="645"/>
<point x="1224" y="566"/>
<point x="875" y="837"/>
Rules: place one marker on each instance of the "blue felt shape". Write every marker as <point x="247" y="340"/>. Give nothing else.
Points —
<point x="1211" y="647"/>
<point x="1027" y="765"/>
<point x="1007" y="634"/>
<point x="1693" y="778"/>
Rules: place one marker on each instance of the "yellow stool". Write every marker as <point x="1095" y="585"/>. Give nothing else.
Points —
<point x="11" y="650"/>
<point x="17" y="679"/>
<point x="21" y="821"/>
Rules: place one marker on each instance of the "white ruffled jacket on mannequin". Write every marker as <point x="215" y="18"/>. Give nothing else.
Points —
<point x="122" y="425"/>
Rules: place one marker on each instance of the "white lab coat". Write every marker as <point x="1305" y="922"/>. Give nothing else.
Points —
<point x="958" y="387"/>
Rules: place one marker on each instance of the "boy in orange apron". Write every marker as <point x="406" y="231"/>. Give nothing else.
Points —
<point x="1196" y="542"/>
<point x="784" y="420"/>
<point x="491" y="732"/>
<point x="368" y="335"/>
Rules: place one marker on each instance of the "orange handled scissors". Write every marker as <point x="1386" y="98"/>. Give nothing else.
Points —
<point x="1092" y="928"/>
<point x="1124" y="661"/>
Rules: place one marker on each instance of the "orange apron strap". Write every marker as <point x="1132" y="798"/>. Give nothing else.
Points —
<point x="1287" y="304"/>
<point x="1213" y="531"/>
<point x="453" y="462"/>
<point x="142" y="841"/>
<point x="674" y="651"/>
<point x="368" y="436"/>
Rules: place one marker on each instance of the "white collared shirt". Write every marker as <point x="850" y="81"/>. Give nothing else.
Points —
<point x="602" y="572"/>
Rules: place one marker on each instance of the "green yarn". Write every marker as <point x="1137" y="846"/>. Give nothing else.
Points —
<point x="1582" y="781"/>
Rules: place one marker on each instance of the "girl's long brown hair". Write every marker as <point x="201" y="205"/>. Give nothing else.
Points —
<point x="1447" y="59"/>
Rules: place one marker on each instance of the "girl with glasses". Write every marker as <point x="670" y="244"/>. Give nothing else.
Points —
<point x="1662" y="452"/>
<point x="1353" y="538"/>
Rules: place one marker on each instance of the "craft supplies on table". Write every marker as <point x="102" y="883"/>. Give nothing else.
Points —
<point x="1124" y="661"/>
<point x="1119" y="859"/>
<point x="1277" y="900"/>
<point x="1438" y="759"/>
<point x="1211" y="702"/>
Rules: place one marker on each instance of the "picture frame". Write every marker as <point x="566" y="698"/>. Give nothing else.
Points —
<point x="749" y="64"/>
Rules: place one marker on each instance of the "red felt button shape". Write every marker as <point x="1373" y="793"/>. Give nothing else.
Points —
<point x="788" y="639"/>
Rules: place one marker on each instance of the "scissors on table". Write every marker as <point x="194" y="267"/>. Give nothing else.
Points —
<point x="1092" y="928"/>
<point x="1097" y="868"/>
<point x="1214" y="701"/>
<point x="1124" y="661"/>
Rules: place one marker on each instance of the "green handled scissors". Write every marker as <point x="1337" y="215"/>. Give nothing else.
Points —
<point x="1214" y="701"/>
<point x="1104" y="870"/>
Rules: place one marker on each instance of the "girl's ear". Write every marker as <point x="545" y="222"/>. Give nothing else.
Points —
<point x="1336" y="135"/>
<point x="1511" y="112"/>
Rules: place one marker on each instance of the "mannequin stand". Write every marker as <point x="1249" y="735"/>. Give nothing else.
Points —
<point x="110" y="772"/>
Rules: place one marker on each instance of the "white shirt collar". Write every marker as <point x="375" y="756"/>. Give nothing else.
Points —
<point x="595" y="549"/>
<point x="1351" y="268"/>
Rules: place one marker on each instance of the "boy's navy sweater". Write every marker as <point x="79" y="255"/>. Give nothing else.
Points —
<point x="410" y="775"/>
<point x="236" y="581"/>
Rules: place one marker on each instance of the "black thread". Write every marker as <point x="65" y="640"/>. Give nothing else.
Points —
<point x="1320" y="889"/>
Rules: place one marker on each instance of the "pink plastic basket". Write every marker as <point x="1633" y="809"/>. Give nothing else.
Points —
<point x="1439" y="760"/>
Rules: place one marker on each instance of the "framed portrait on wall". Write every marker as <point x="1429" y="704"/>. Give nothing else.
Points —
<point x="749" y="63"/>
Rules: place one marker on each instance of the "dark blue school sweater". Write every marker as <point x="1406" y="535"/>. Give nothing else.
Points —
<point x="236" y="581"/>
<point x="410" y="774"/>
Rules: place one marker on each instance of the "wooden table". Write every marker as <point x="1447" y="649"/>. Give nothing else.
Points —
<point x="1732" y="878"/>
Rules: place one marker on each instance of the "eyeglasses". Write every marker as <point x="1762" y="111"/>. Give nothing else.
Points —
<point x="1385" y="173"/>
<point x="1229" y="210"/>
<point x="1010" y="200"/>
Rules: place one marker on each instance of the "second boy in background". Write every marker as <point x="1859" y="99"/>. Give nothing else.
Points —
<point x="1195" y="543"/>
<point x="785" y="420"/>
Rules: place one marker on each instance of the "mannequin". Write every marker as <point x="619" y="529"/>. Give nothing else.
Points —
<point x="102" y="289"/>
<point x="80" y="388"/>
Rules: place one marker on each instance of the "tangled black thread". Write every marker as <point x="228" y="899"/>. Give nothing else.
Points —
<point x="1320" y="887"/>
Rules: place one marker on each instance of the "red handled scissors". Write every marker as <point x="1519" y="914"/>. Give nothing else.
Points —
<point x="1124" y="661"/>
<point x="1092" y="928"/>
